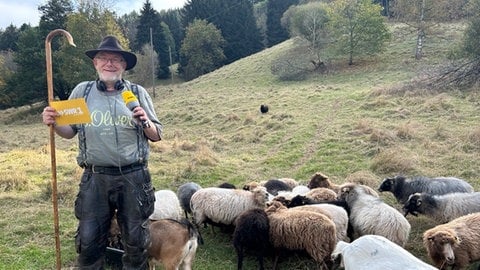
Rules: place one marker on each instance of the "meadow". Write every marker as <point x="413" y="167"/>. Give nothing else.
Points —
<point x="370" y="120"/>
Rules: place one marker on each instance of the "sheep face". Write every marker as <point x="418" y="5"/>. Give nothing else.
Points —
<point x="412" y="206"/>
<point x="347" y="192"/>
<point x="260" y="194"/>
<point x="444" y="243"/>
<point x="319" y="180"/>
<point x="282" y="200"/>
<point x="274" y="206"/>
<point x="387" y="185"/>
<point x="251" y="185"/>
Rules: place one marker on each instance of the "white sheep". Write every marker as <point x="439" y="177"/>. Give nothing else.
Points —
<point x="167" y="205"/>
<point x="301" y="230"/>
<point x="375" y="252"/>
<point x="443" y="208"/>
<point x="370" y="215"/>
<point x="223" y="206"/>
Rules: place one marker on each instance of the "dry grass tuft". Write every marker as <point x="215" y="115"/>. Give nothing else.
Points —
<point x="204" y="156"/>
<point x="396" y="160"/>
<point x="407" y="130"/>
<point x="364" y="178"/>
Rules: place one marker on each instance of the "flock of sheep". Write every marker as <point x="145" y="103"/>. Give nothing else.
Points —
<point x="339" y="226"/>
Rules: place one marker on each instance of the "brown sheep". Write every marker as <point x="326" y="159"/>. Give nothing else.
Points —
<point x="173" y="244"/>
<point x="321" y="180"/>
<point x="454" y="244"/>
<point x="301" y="230"/>
<point x="321" y="194"/>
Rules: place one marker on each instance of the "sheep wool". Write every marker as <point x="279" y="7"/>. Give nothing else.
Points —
<point x="223" y="206"/>
<point x="370" y="215"/>
<point x="455" y="243"/>
<point x="402" y="187"/>
<point x="167" y="205"/>
<point x="375" y="252"/>
<point x="443" y="208"/>
<point x="301" y="230"/>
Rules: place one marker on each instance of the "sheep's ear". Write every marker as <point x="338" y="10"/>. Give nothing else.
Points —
<point x="457" y="239"/>
<point x="418" y="202"/>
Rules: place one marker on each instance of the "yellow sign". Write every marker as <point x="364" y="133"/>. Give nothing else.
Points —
<point x="72" y="111"/>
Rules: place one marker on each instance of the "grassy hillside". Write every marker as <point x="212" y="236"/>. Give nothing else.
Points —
<point x="352" y="122"/>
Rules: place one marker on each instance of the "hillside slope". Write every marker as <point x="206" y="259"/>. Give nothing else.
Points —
<point x="353" y="122"/>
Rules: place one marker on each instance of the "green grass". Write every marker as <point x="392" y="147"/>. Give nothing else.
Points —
<point x="351" y="121"/>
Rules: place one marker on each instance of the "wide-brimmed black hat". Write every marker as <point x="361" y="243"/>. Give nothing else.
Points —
<point x="111" y="44"/>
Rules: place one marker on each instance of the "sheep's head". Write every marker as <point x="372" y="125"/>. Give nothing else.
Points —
<point x="319" y="180"/>
<point x="282" y="199"/>
<point x="251" y="185"/>
<point x="274" y="206"/>
<point x="444" y="242"/>
<point x="260" y="195"/>
<point x="413" y="204"/>
<point x="298" y="200"/>
<point x="347" y="192"/>
<point x="387" y="185"/>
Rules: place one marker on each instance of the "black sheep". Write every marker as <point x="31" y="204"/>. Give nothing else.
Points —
<point x="252" y="235"/>
<point x="263" y="108"/>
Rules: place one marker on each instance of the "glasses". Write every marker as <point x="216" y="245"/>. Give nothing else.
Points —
<point x="114" y="61"/>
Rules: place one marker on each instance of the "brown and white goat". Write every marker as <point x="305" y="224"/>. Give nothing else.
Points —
<point x="173" y="244"/>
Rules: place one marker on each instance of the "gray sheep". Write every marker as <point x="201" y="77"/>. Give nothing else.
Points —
<point x="443" y="208"/>
<point x="402" y="187"/>
<point x="185" y="193"/>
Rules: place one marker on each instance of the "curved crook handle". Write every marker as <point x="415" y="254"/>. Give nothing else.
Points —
<point x="48" y="55"/>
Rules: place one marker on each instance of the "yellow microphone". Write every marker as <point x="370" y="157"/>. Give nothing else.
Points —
<point x="132" y="102"/>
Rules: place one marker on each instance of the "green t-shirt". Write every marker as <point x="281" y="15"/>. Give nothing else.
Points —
<point x="113" y="138"/>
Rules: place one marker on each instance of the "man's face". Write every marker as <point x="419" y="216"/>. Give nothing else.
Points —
<point x="109" y="66"/>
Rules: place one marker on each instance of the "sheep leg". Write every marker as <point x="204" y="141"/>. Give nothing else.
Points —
<point x="239" y="258"/>
<point x="275" y="261"/>
<point x="260" y="262"/>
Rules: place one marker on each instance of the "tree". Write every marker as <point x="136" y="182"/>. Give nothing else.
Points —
<point x="202" y="49"/>
<point x="129" y="24"/>
<point x="172" y="18"/>
<point x="30" y="57"/>
<point x="275" y="9"/>
<point x="54" y="16"/>
<point x="470" y="42"/>
<point x="150" y="26"/>
<point x="28" y="84"/>
<point x="310" y="22"/>
<point x="358" y="28"/>
<point x="9" y="38"/>
<point x="235" y="20"/>
<point x="423" y="15"/>
<point x="147" y="64"/>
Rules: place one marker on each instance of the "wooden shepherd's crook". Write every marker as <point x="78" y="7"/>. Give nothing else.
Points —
<point x="48" y="54"/>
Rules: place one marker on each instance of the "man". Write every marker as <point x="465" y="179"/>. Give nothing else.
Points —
<point x="113" y="150"/>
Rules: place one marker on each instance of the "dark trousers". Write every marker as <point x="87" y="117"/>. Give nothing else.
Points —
<point x="132" y="196"/>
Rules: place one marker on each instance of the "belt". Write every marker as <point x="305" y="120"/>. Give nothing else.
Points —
<point x="116" y="170"/>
